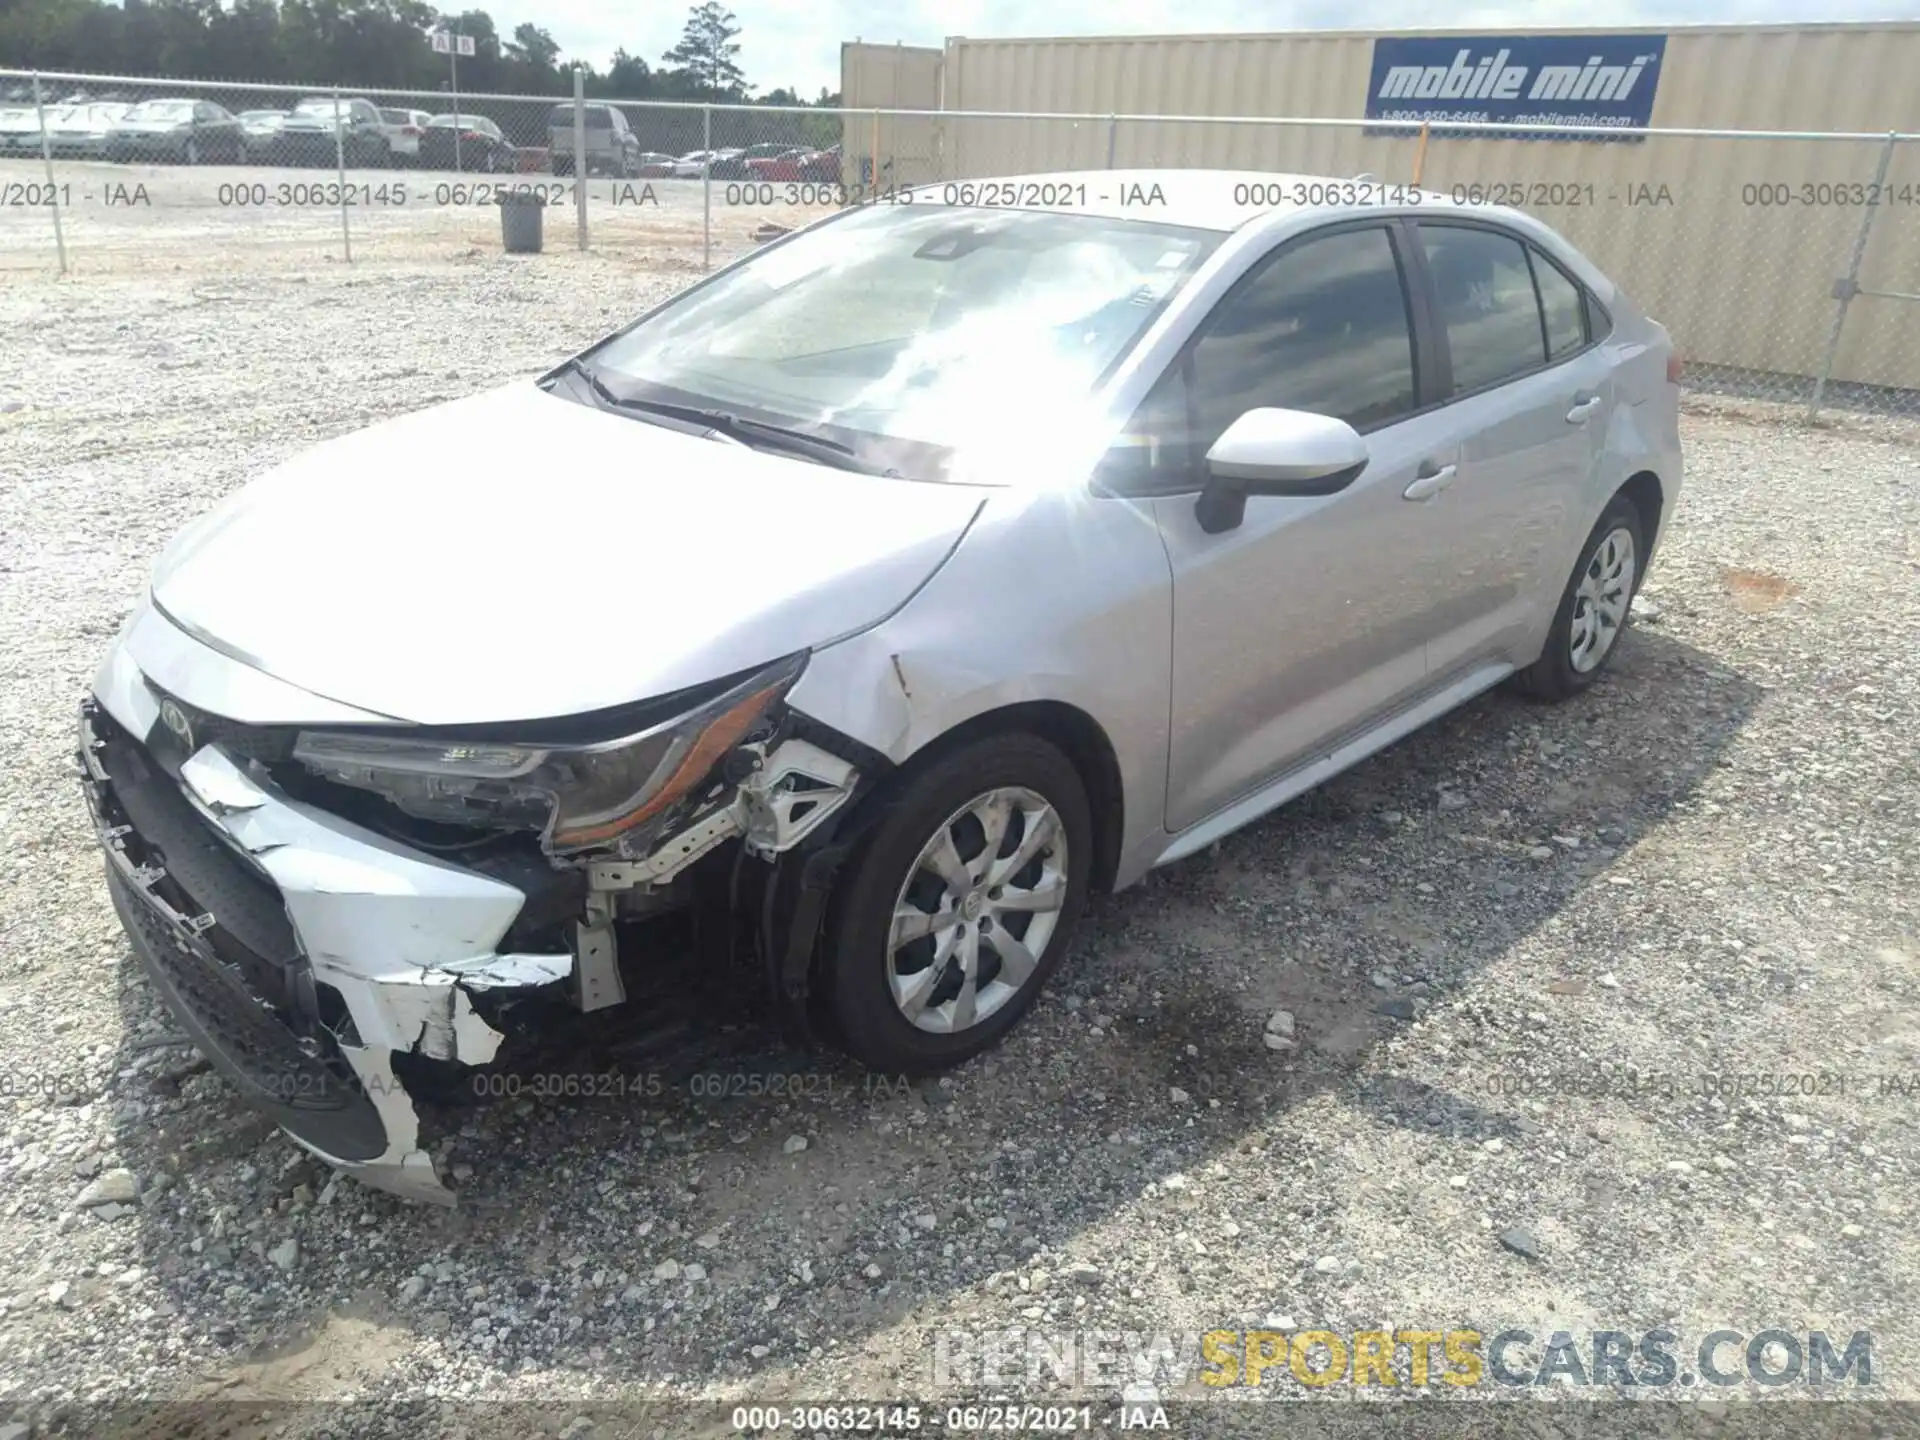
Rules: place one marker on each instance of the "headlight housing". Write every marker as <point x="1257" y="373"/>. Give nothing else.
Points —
<point x="579" y="797"/>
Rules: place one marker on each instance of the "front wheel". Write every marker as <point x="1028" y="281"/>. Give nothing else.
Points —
<point x="959" y="905"/>
<point x="1593" y="608"/>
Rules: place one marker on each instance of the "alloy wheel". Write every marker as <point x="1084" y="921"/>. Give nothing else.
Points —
<point x="1601" y="601"/>
<point x="977" y="910"/>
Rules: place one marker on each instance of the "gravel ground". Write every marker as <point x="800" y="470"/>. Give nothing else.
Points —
<point x="1703" y="870"/>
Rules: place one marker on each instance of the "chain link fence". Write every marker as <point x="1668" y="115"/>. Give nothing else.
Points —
<point x="1784" y="263"/>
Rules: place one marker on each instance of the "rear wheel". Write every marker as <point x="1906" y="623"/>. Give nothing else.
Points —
<point x="959" y="905"/>
<point x="1593" y="609"/>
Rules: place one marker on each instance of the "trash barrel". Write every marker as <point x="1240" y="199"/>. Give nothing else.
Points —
<point x="521" y="216"/>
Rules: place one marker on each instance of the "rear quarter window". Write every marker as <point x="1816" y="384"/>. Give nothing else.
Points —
<point x="1562" y="307"/>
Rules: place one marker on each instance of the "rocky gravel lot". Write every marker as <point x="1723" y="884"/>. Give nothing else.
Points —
<point x="1539" y="970"/>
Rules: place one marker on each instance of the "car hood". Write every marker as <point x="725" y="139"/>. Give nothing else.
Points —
<point x="516" y="555"/>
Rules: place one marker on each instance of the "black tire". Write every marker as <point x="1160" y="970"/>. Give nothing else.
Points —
<point x="562" y="166"/>
<point x="856" y="956"/>
<point x="1553" y="676"/>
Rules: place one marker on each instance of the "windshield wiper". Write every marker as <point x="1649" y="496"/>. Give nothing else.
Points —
<point x="738" y="428"/>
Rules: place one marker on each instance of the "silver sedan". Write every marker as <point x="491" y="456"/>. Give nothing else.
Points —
<point x="885" y="593"/>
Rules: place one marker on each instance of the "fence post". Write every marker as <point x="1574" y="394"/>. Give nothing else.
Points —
<point x="340" y="168"/>
<point x="1113" y="126"/>
<point x="580" y="152"/>
<point x="1420" y="156"/>
<point x="46" y="157"/>
<point x="706" y="187"/>
<point x="1845" y="289"/>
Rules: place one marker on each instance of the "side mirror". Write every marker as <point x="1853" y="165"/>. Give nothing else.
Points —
<point x="1277" y="452"/>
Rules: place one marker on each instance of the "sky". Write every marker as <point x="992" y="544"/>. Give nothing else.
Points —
<point x="797" y="42"/>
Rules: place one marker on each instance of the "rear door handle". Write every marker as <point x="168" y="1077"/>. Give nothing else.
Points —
<point x="1583" y="408"/>
<point x="1432" y="479"/>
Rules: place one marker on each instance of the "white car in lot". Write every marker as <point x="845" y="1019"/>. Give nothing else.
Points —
<point x="404" y="129"/>
<point x="19" y="129"/>
<point x="695" y="164"/>
<point x="884" y="594"/>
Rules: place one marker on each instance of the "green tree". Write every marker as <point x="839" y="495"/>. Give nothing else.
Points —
<point x="706" y="53"/>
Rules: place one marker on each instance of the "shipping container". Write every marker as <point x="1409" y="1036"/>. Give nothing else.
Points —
<point x="1737" y="244"/>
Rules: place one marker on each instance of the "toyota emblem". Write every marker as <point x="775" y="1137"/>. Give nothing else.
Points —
<point x="175" y="719"/>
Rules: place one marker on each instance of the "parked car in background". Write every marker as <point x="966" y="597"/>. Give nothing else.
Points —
<point x="20" y="130"/>
<point x="480" y="145"/>
<point x="823" y="167"/>
<point x="788" y="166"/>
<point x="738" y="165"/>
<point x="82" y="129"/>
<point x="308" y="134"/>
<point x="694" y="164"/>
<point x="189" y="131"/>
<point x="260" y="129"/>
<point x="656" y="166"/>
<point x="612" y="147"/>
<point x="404" y="129"/>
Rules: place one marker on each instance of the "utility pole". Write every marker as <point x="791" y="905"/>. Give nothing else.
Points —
<point x="453" y="47"/>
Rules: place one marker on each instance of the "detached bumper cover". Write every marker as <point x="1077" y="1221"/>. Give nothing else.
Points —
<point x="299" y="951"/>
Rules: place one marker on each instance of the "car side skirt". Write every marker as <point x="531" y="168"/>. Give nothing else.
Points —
<point x="1325" y="766"/>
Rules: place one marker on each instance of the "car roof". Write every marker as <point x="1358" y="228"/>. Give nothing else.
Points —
<point x="1227" y="201"/>
<point x="1222" y="200"/>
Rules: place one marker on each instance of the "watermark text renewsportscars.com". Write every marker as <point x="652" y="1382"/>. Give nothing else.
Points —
<point x="1198" y="1362"/>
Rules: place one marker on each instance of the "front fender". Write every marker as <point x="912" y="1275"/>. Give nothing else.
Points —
<point x="1052" y="596"/>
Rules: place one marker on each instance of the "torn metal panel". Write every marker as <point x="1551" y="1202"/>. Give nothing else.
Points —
<point x="510" y="972"/>
<point x="670" y="858"/>
<point x="404" y="1169"/>
<point x="597" y="982"/>
<point x="794" y="791"/>
<point x="433" y="1007"/>
<point x="369" y="904"/>
<point x="222" y="791"/>
<point x="400" y="935"/>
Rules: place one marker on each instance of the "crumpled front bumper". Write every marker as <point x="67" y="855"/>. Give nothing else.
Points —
<point x="246" y="907"/>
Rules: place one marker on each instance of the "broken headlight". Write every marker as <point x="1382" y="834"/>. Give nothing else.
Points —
<point x="579" y="797"/>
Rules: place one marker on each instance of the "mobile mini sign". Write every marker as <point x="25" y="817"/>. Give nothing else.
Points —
<point x="1606" y="80"/>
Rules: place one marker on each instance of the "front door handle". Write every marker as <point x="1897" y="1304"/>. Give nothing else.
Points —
<point x="1431" y="481"/>
<point x="1583" y="409"/>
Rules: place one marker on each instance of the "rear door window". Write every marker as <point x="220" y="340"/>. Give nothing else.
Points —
<point x="1483" y="293"/>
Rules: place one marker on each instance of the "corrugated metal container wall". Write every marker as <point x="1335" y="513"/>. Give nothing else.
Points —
<point x="1683" y="223"/>
<point x="881" y="78"/>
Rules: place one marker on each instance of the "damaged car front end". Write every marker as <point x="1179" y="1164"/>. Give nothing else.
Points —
<point x="336" y="914"/>
<point x="790" y="685"/>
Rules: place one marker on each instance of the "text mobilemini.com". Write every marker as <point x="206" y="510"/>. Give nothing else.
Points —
<point x="1196" y="1362"/>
